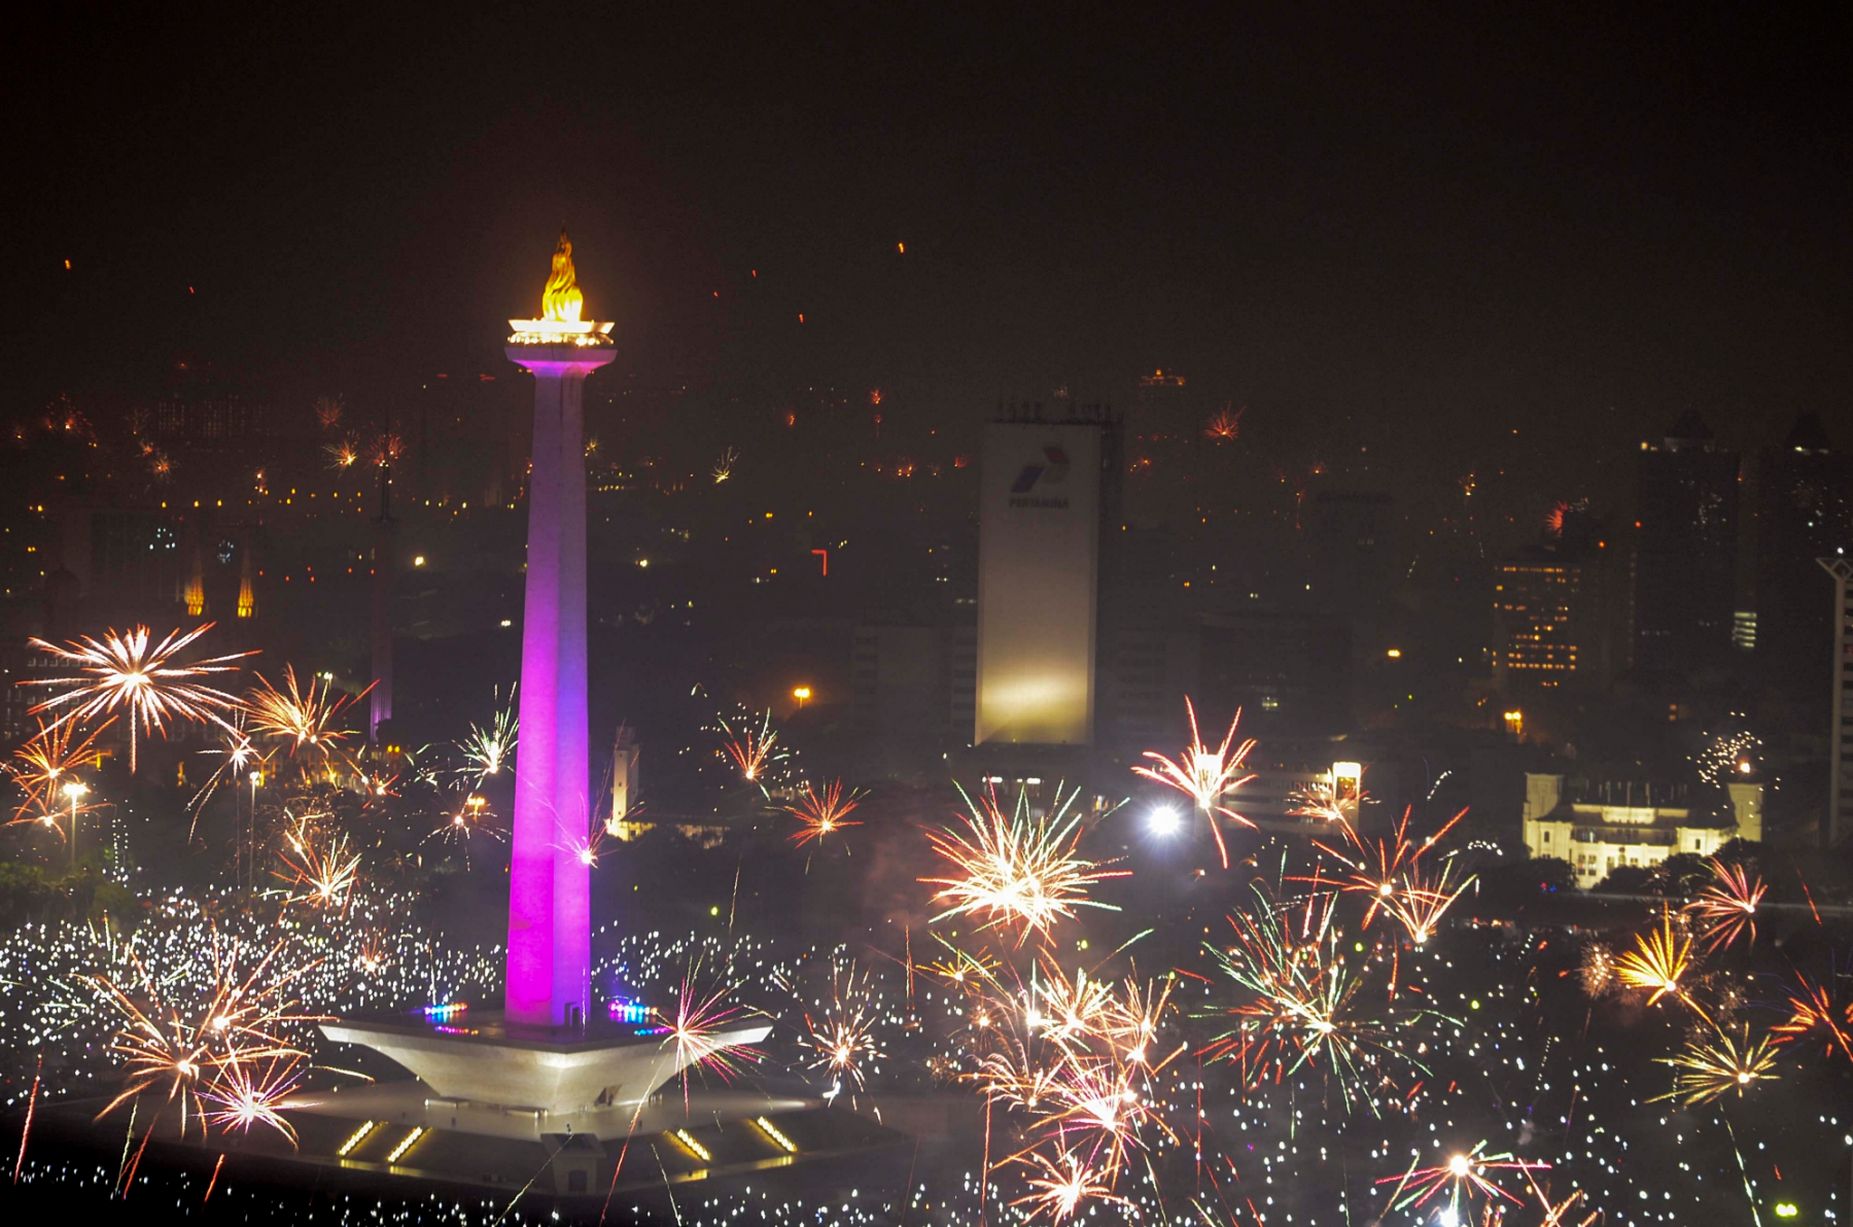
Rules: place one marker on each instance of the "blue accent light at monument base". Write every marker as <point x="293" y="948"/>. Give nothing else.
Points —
<point x="624" y="1010"/>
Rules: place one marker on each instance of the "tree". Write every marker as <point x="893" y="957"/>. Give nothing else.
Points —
<point x="1627" y="880"/>
<point x="1681" y="875"/>
<point x="24" y="890"/>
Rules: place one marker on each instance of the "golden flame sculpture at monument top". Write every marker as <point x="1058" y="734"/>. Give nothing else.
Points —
<point x="561" y="306"/>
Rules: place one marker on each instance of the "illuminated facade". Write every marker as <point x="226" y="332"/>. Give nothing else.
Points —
<point x="1602" y="827"/>
<point x="1038" y="563"/>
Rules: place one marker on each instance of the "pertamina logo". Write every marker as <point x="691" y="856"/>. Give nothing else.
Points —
<point x="1034" y="485"/>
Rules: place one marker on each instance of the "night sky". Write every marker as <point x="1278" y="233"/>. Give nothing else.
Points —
<point x="1415" y="225"/>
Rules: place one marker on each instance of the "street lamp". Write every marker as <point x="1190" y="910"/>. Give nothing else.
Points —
<point x="74" y="791"/>
<point x="802" y="694"/>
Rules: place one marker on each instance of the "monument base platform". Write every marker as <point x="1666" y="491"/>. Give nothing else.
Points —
<point x="409" y="1162"/>
<point x="413" y="1105"/>
<point x="541" y="1080"/>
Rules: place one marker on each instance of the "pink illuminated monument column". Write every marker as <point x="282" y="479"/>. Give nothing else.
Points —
<point x="549" y="915"/>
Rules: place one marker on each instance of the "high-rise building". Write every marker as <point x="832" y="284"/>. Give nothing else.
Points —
<point x="1038" y="564"/>
<point x="1685" y="548"/>
<point x="1804" y="511"/>
<point x="1350" y="534"/>
<point x="1538" y="618"/>
<point x="1840" y="731"/>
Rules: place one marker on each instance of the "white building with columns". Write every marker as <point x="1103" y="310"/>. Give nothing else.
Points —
<point x="1598" y="829"/>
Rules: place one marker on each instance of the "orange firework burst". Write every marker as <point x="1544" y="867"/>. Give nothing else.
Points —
<point x="1206" y="775"/>
<point x="296" y="718"/>
<point x="1717" y="1065"/>
<point x="1422" y="901"/>
<point x="1225" y="426"/>
<point x="386" y="450"/>
<point x="1321" y="799"/>
<point x="842" y="1037"/>
<point x="242" y="1018"/>
<point x="1386" y="873"/>
<point x="342" y="455"/>
<point x="822" y="813"/>
<point x="1725" y="908"/>
<point x="127" y="672"/>
<point x="322" y="872"/>
<point x="43" y="765"/>
<point x="751" y="750"/>
<point x="1073" y="1055"/>
<point x="1814" y="1010"/>
<point x="1015" y="868"/>
<point x="1661" y="960"/>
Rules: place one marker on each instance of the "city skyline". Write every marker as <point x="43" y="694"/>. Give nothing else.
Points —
<point x="1058" y="232"/>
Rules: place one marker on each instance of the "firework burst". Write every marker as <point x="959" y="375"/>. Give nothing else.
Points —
<point x="245" y="1093"/>
<point x="1386" y="872"/>
<point x="1321" y="799"/>
<point x="1013" y="868"/>
<point x="1305" y="1002"/>
<point x="1815" y="1011"/>
<point x="1661" y="962"/>
<point x="1719" y="1064"/>
<point x="1726" y="907"/>
<point x="821" y="813"/>
<point x="751" y="749"/>
<point x="130" y="673"/>
<point x="490" y="747"/>
<point x="301" y="720"/>
<point x="1206" y="775"/>
<point x="1424" y="899"/>
<point x="321" y="873"/>
<point x="241" y="1018"/>
<point x="236" y="753"/>
<point x="45" y="763"/>
<point x="1465" y="1178"/>
<point x="703" y="1029"/>
<point x="723" y="468"/>
<point x="344" y="454"/>
<point x="1225" y="426"/>
<point x="1058" y="1187"/>
<point x="841" y="1037"/>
